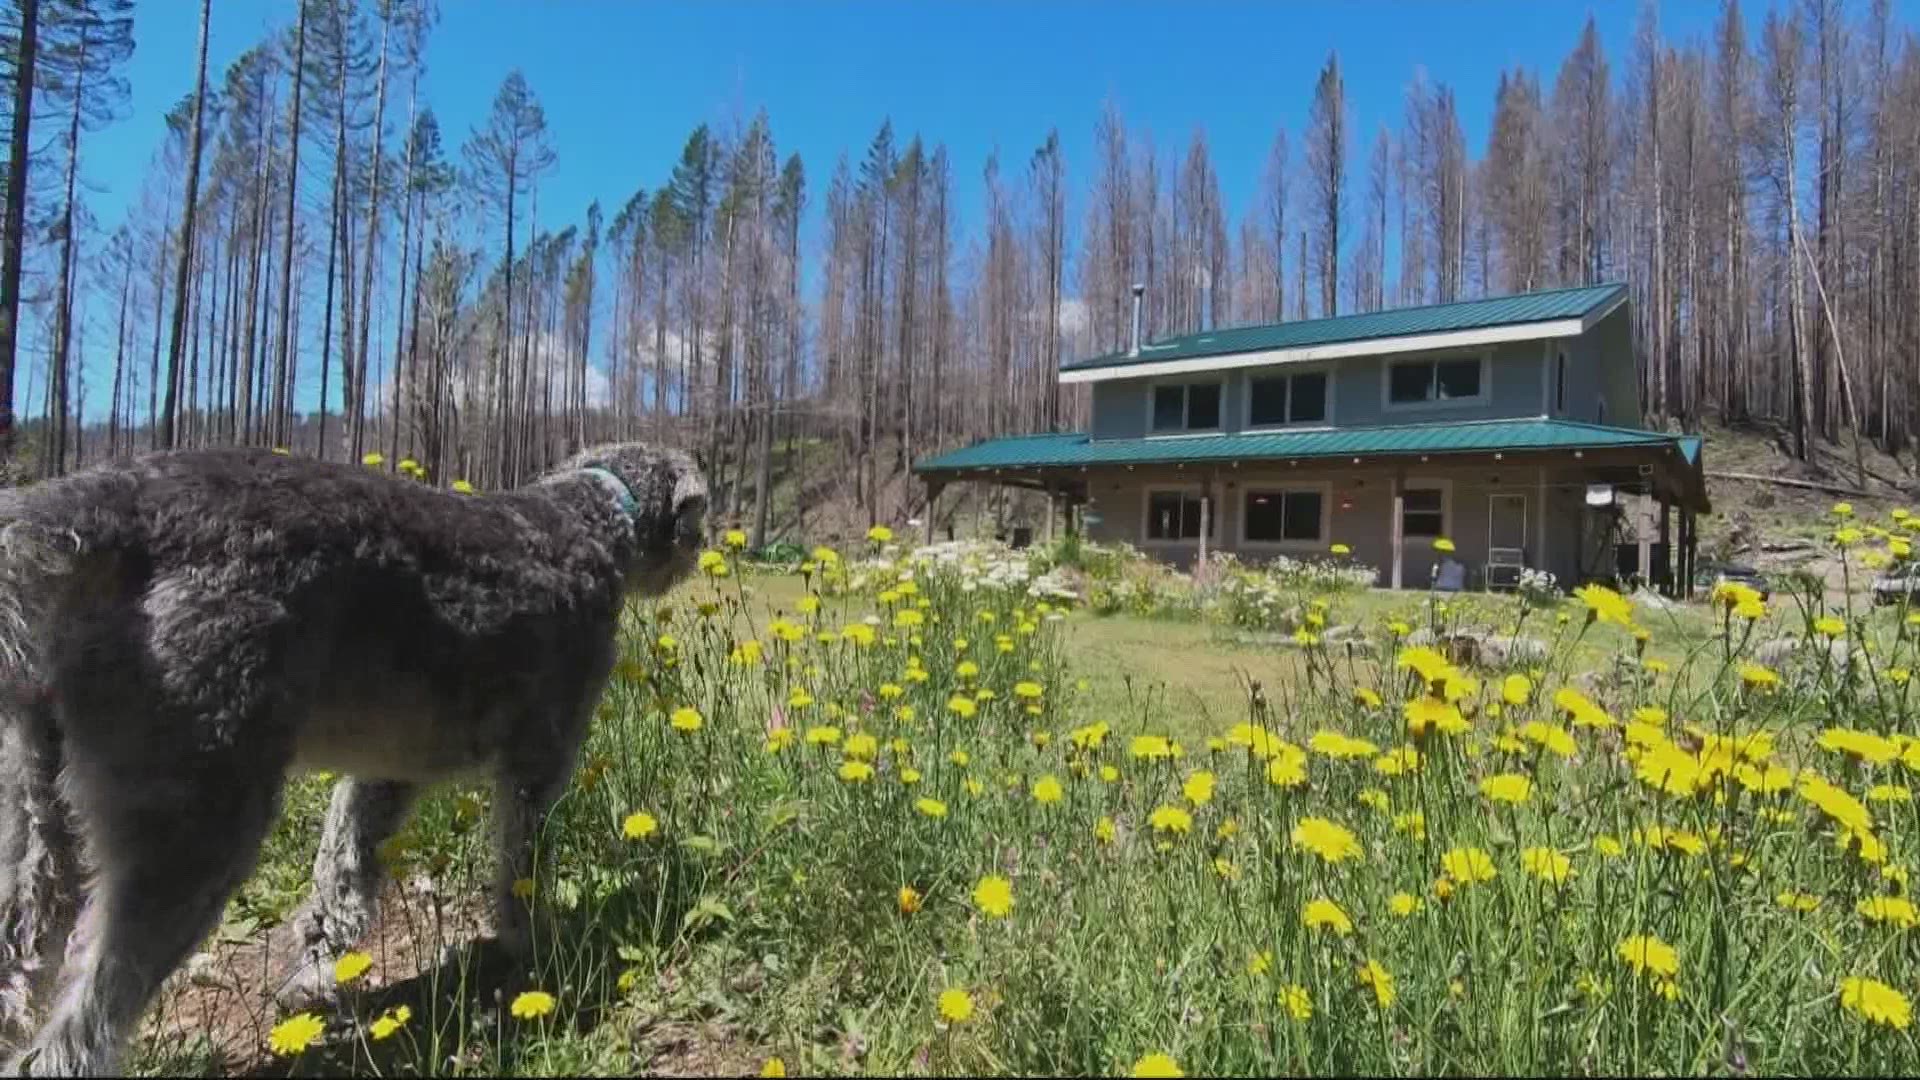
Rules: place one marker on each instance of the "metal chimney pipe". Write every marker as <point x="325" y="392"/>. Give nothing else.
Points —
<point x="1134" y="349"/>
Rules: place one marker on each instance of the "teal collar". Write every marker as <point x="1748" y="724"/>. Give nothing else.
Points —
<point x="622" y="494"/>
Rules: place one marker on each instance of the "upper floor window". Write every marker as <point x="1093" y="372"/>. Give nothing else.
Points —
<point x="1287" y="399"/>
<point x="1186" y="407"/>
<point x="1414" y="382"/>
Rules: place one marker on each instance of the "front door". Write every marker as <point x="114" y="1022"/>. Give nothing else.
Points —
<point x="1423" y="519"/>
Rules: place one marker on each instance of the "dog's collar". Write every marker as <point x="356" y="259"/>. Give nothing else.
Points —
<point x="622" y="494"/>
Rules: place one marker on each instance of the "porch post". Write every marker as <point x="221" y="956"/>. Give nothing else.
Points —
<point x="1645" y="542"/>
<point x="1395" y="524"/>
<point x="1206" y="518"/>
<point x="1666" y="548"/>
<point x="1052" y="511"/>
<point x="1540" y="521"/>
<point x="933" y="501"/>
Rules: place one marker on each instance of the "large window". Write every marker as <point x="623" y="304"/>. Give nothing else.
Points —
<point x="1186" y="407"/>
<point x="1413" y="382"/>
<point x="1175" y="515"/>
<point x="1280" y="516"/>
<point x="1423" y="512"/>
<point x="1287" y="399"/>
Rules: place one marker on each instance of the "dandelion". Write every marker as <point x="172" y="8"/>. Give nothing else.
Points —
<point x="1330" y="841"/>
<point x="994" y="896"/>
<point x="1829" y="626"/>
<point x="1379" y="980"/>
<point x="1516" y="690"/>
<point x="1511" y="788"/>
<point x="1889" y="910"/>
<point x="1047" y="790"/>
<point x="1260" y="963"/>
<point x="1403" y="904"/>
<point x="1340" y="549"/>
<point x="1547" y="864"/>
<point x="639" y="825"/>
<point x="295" y="1034"/>
<point x="373" y="460"/>
<point x="1442" y="545"/>
<point x="1198" y="787"/>
<point x="956" y="1006"/>
<point x="390" y="1022"/>
<point x="932" y="808"/>
<point x="1103" y="830"/>
<point x="1413" y="823"/>
<point x="774" y="1066"/>
<point x="1797" y="901"/>
<point x="1648" y="955"/>
<point x="962" y="707"/>
<point x="1324" y="912"/>
<point x="1425" y="712"/>
<point x="861" y="746"/>
<point x="532" y="1004"/>
<point x="1157" y="1065"/>
<point x="855" y="772"/>
<point x="1298" y="1003"/>
<point x="351" y="966"/>
<point x="1759" y="676"/>
<point x="1171" y="819"/>
<point x="1605" y="605"/>
<point x="1875" y="1002"/>
<point x="1549" y="737"/>
<point x="909" y="900"/>
<point x="686" y="720"/>
<point x="1027" y="689"/>
<point x="1467" y="865"/>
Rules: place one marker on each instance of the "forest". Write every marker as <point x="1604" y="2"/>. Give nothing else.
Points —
<point x="308" y="225"/>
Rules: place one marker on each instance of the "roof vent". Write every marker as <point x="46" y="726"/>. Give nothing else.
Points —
<point x="1134" y="349"/>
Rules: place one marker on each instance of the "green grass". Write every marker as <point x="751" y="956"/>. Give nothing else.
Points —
<point x="1158" y="903"/>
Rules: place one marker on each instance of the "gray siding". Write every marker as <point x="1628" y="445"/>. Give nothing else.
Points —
<point x="1359" y="514"/>
<point x="1521" y="380"/>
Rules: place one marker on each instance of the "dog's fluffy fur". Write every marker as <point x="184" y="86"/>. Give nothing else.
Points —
<point x="180" y="632"/>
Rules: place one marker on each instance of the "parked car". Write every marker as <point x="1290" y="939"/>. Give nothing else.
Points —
<point x="1900" y="583"/>
<point x="1711" y="574"/>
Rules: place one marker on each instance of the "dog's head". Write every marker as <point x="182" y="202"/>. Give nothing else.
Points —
<point x="668" y="512"/>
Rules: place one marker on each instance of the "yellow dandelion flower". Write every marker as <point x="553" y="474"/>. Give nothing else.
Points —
<point x="1103" y="830"/>
<point x="532" y="1004"/>
<point x="909" y="900"/>
<point x="1324" y="912"/>
<point x="1171" y="819"/>
<point x="1157" y="1065"/>
<point x="1889" y="910"/>
<point x="390" y="1022"/>
<point x="1467" y="865"/>
<point x="993" y="895"/>
<point x="1403" y="904"/>
<point x="1376" y="978"/>
<point x="1332" y="842"/>
<point x="1298" y="1003"/>
<point x="956" y="1006"/>
<point x="295" y="1034"/>
<point x="1547" y="864"/>
<point x="1875" y="1002"/>
<point x="1198" y="787"/>
<point x="639" y="825"/>
<point x="1511" y="788"/>
<point x="1648" y="955"/>
<point x="686" y="720"/>
<point x="1047" y="790"/>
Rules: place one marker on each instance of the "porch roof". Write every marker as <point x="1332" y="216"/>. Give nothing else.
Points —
<point x="1076" y="449"/>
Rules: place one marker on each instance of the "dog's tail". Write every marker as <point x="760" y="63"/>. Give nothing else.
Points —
<point x="38" y="864"/>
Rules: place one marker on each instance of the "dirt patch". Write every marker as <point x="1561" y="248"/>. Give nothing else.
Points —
<point x="220" y="1008"/>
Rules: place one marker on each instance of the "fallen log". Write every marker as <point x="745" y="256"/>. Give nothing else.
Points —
<point x="1815" y="485"/>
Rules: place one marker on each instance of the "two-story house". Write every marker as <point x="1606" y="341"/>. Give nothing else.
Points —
<point x="1510" y="426"/>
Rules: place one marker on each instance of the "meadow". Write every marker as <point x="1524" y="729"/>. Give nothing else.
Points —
<point x="959" y="810"/>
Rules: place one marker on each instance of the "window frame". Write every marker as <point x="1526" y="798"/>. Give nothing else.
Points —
<point x="1186" y="427"/>
<point x="1422" y="483"/>
<point x="1289" y="373"/>
<point x="1283" y="488"/>
<point x="1184" y="490"/>
<point x="1389" y="363"/>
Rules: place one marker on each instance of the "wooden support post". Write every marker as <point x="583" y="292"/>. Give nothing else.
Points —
<point x="1399" y="540"/>
<point x="1643" y="558"/>
<point x="933" y="502"/>
<point x="1665" y="580"/>
<point x="1206" y="520"/>
<point x="1053" y="509"/>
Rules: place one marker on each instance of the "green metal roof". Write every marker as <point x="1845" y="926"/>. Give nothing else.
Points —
<point x="1546" y="306"/>
<point x="1480" y="436"/>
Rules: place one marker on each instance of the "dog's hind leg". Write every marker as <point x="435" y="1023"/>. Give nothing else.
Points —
<point x="39" y="872"/>
<point x="347" y="876"/>
<point x="169" y="854"/>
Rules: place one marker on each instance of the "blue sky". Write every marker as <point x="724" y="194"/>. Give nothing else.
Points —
<point x="624" y="82"/>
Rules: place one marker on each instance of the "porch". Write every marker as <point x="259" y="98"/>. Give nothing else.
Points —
<point x="1577" y="501"/>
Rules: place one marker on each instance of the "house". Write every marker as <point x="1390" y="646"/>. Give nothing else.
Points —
<point x="1510" y="426"/>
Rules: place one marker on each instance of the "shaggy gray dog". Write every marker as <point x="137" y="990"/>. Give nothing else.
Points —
<point x="180" y="632"/>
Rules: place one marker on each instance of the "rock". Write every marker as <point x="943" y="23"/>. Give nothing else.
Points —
<point x="202" y="972"/>
<point x="1786" y="547"/>
<point x="1776" y="652"/>
<point x="1651" y="600"/>
<point x="1500" y="650"/>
